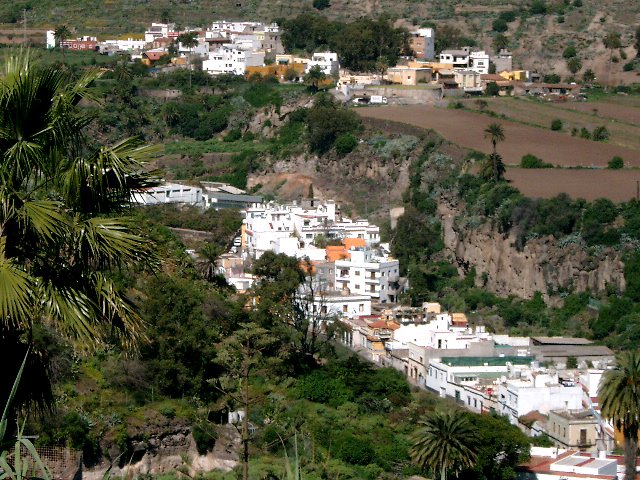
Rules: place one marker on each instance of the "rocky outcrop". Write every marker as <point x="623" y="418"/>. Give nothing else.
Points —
<point x="170" y="451"/>
<point x="544" y="264"/>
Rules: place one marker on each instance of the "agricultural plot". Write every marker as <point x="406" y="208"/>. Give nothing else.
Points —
<point x="467" y="130"/>
<point x="616" y="185"/>
<point x="622" y="121"/>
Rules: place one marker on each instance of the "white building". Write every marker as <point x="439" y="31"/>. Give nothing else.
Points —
<point x="232" y="59"/>
<point x="289" y="228"/>
<point x="367" y="273"/>
<point x="473" y="381"/>
<point x="127" y="45"/>
<point x="157" y="30"/>
<point x="51" y="39"/>
<point x="327" y="61"/>
<point x="479" y="62"/>
<point x="539" y="391"/>
<point x="335" y="304"/>
<point x="169" y="193"/>
<point x="457" y="58"/>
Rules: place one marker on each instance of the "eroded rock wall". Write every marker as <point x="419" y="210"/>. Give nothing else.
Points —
<point x="542" y="265"/>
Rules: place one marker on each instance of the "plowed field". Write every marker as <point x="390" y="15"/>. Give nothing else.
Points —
<point x="467" y="130"/>
<point x="616" y="185"/>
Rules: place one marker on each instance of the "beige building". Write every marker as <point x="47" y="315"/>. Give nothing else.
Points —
<point x="409" y="76"/>
<point x="574" y="429"/>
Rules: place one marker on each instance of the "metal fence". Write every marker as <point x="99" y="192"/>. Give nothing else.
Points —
<point x="62" y="463"/>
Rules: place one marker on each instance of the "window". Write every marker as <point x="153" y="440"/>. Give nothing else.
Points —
<point x="372" y="288"/>
<point x="357" y="273"/>
<point x="345" y="308"/>
<point x="361" y="307"/>
<point x="357" y="287"/>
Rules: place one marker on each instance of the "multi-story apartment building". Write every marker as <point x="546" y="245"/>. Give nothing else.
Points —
<point x="423" y="43"/>
<point x="232" y="59"/>
<point x="368" y="273"/>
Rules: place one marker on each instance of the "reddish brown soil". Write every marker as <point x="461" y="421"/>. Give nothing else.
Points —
<point x="467" y="130"/>
<point x="616" y="185"/>
<point x="628" y="114"/>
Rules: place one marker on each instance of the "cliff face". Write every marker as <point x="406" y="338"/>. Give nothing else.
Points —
<point x="542" y="265"/>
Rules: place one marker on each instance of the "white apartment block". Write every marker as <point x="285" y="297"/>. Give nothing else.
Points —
<point x="472" y="381"/>
<point x="479" y="62"/>
<point x="327" y="61"/>
<point x="291" y="229"/>
<point x="231" y="59"/>
<point x="541" y="391"/>
<point x="367" y="273"/>
<point x="169" y="193"/>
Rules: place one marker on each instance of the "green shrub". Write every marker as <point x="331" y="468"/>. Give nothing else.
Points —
<point x="569" y="52"/>
<point x="205" y="436"/>
<point x="345" y="144"/>
<point x="556" y="125"/>
<point x="538" y="7"/>
<point x="233" y="135"/>
<point x="531" y="161"/>
<point x="321" y="4"/>
<point x="500" y="25"/>
<point x="616" y="163"/>
<point x="584" y="133"/>
<point x="600" y="134"/>
<point x="492" y="89"/>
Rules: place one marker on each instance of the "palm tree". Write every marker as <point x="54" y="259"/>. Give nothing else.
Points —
<point x="496" y="133"/>
<point x="189" y="40"/>
<point x="314" y="77"/>
<point x="60" y="229"/>
<point x="619" y="395"/>
<point x="61" y="34"/>
<point x="446" y="442"/>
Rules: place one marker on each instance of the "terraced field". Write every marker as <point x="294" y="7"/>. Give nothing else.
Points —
<point x="622" y="120"/>
<point x="467" y="130"/>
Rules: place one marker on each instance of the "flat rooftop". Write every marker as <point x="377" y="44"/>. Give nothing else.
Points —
<point x="560" y="341"/>
<point x="485" y="361"/>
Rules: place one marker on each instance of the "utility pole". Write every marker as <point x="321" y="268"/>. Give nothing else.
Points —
<point x="24" y="26"/>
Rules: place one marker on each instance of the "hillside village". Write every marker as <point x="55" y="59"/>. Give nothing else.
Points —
<point x="255" y="48"/>
<point x="546" y="386"/>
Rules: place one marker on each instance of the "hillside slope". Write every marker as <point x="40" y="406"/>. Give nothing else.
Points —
<point x="538" y="40"/>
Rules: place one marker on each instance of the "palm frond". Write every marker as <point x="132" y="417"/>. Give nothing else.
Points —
<point x="16" y="298"/>
<point x="46" y="218"/>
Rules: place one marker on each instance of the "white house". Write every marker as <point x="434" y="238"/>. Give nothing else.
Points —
<point x="327" y="61"/>
<point x="538" y="391"/>
<point x="169" y="193"/>
<point x="231" y="59"/>
<point x="479" y="62"/>
<point x="457" y="58"/>
<point x="157" y="30"/>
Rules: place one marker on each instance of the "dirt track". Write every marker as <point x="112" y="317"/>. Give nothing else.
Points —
<point x="467" y="130"/>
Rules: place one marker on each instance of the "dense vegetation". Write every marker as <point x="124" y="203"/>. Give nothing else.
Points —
<point x="365" y="44"/>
